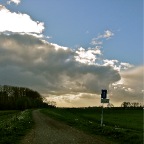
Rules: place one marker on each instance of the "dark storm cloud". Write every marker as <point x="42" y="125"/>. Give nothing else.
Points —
<point x="29" y="61"/>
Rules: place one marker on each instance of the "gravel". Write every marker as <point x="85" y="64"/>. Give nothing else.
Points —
<point x="50" y="131"/>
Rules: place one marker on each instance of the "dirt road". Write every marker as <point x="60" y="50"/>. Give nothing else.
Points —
<point x="49" y="131"/>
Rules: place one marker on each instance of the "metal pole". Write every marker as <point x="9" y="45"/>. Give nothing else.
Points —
<point x="102" y="116"/>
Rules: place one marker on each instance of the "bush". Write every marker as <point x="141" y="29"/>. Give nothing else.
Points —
<point x="12" y="129"/>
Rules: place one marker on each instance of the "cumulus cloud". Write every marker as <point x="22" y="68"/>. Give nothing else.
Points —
<point x="119" y="66"/>
<point x="130" y="87"/>
<point x="27" y="60"/>
<point x="134" y="77"/>
<point x="87" y="56"/>
<point x="18" y="22"/>
<point x="107" y="34"/>
<point x="69" y="77"/>
<point x="56" y="71"/>
<point x="99" y="39"/>
<point x="14" y="1"/>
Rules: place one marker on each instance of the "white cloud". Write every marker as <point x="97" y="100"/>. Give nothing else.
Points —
<point x="57" y="47"/>
<point x="111" y="63"/>
<point x="99" y="39"/>
<point x="130" y="87"/>
<point x="53" y="70"/>
<point x="96" y="41"/>
<point x="125" y="66"/>
<point x="120" y="66"/>
<point x="87" y="56"/>
<point x="14" y="1"/>
<point x="18" y="22"/>
<point x="134" y="77"/>
<point x="69" y="77"/>
<point x="108" y="34"/>
<point x="27" y="60"/>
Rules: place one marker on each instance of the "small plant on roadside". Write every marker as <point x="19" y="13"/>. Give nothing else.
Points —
<point x="12" y="129"/>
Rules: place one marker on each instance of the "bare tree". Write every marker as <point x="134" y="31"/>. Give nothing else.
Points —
<point x="110" y="105"/>
<point x="135" y="104"/>
<point x="126" y="104"/>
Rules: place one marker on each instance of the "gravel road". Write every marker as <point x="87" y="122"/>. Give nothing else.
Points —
<point x="50" y="131"/>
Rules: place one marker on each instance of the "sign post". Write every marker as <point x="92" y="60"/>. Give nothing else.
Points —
<point x="103" y="100"/>
<point x="102" y="116"/>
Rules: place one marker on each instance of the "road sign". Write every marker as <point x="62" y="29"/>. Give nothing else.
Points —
<point x="104" y="94"/>
<point x="104" y="100"/>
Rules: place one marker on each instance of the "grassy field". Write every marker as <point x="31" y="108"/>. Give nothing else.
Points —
<point x="14" y="125"/>
<point x="124" y="126"/>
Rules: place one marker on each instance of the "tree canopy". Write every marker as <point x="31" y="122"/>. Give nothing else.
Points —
<point x="12" y="97"/>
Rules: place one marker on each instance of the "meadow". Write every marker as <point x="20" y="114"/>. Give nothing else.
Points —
<point x="122" y="126"/>
<point x="14" y="125"/>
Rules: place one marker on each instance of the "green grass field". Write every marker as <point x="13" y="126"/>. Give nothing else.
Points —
<point x="14" y="125"/>
<point x="124" y="126"/>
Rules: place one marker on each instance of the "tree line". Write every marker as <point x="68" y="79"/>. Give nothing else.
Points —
<point x="20" y="98"/>
<point x="129" y="104"/>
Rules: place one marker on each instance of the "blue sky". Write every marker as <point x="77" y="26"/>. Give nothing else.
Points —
<point x="70" y="50"/>
<point x="74" y="23"/>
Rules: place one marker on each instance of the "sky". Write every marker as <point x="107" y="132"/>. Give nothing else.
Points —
<point x="70" y="50"/>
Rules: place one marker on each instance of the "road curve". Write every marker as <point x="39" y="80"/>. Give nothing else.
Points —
<point x="50" y="131"/>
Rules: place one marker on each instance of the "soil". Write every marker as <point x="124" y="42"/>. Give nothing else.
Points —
<point x="50" y="131"/>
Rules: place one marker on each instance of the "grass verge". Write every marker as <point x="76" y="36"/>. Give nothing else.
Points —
<point x="14" y="125"/>
<point x="82" y="119"/>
